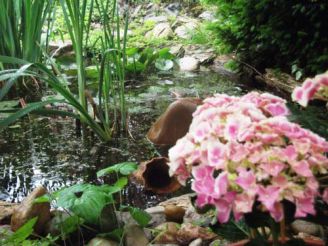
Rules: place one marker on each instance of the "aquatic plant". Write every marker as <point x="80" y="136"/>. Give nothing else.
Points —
<point x="243" y="151"/>
<point x="21" y="24"/>
<point x="111" y="71"/>
<point x="312" y="87"/>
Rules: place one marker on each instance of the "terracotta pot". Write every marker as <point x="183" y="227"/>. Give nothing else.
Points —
<point x="174" y="122"/>
<point x="154" y="175"/>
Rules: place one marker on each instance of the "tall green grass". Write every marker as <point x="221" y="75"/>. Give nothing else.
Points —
<point x="21" y="23"/>
<point x="111" y="94"/>
<point x="112" y="71"/>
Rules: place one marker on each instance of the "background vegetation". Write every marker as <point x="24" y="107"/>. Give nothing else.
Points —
<point x="290" y="35"/>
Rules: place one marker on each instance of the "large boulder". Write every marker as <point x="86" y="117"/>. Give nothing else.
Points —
<point x="188" y="64"/>
<point x="174" y="123"/>
<point x="28" y="210"/>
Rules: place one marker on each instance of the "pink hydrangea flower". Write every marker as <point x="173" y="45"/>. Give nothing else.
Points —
<point x="242" y="150"/>
<point x="311" y="87"/>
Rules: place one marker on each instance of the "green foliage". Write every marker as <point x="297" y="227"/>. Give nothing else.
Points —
<point x="124" y="168"/>
<point x="149" y="58"/>
<point x="276" y="33"/>
<point x="86" y="200"/>
<point x="139" y="215"/>
<point x="21" y="24"/>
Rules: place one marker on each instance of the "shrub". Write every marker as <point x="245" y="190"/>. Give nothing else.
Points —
<point x="276" y="33"/>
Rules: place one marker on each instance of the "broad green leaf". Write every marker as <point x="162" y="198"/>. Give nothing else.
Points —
<point x="165" y="54"/>
<point x="121" y="182"/>
<point x="125" y="168"/>
<point x="131" y="51"/>
<point x="136" y="67"/>
<point x="85" y="200"/>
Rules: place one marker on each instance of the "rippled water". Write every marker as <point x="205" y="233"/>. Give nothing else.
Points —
<point x="47" y="151"/>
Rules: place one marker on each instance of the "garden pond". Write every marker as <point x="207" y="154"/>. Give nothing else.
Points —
<point x="48" y="151"/>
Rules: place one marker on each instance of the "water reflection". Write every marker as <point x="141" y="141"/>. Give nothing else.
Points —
<point x="46" y="151"/>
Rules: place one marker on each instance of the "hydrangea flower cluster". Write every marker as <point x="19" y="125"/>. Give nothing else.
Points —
<point x="243" y="149"/>
<point x="310" y="87"/>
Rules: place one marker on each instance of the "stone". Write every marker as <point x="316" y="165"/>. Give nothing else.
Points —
<point x="205" y="58"/>
<point x="161" y="30"/>
<point x="157" y="215"/>
<point x="182" y="201"/>
<point x="302" y="226"/>
<point x="174" y="122"/>
<point x="189" y="232"/>
<point x="156" y="19"/>
<point x="174" y="213"/>
<point x="28" y="210"/>
<point x="167" y="233"/>
<point x="98" y="241"/>
<point x="196" y="242"/>
<point x="54" y="225"/>
<point x="5" y="232"/>
<point x="6" y="210"/>
<point x="207" y="16"/>
<point x="188" y="64"/>
<point x="134" y="235"/>
<point x="173" y="9"/>
<point x="58" y="48"/>
<point x="185" y="31"/>
<point x="177" y="50"/>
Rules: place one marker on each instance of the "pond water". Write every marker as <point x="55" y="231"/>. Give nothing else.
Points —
<point x="47" y="151"/>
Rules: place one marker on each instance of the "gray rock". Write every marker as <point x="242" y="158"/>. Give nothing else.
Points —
<point x="98" y="241"/>
<point x="28" y="210"/>
<point x="156" y="19"/>
<point x="196" y="242"/>
<point x="177" y="50"/>
<point x="157" y="215"/>
<point x="207" y="15"/>
<point x="185" y="31"/>
<point x="5" y="232"/>
<point x="173" y="9"/>
<point x="188" y="64"/>
<point x="58" y="48"/>
<point x="134" y="235"/>
<point x="205" y="58"/>
<point x="306" y="227"/>
<point x="161" y="30"/>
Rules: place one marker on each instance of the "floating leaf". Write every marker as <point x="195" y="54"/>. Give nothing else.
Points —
<point x="163" y="64"/>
